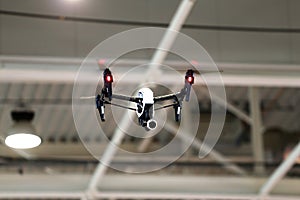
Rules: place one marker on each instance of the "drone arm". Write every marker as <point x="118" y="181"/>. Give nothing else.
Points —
<point x="126" y="98"/>
<point x="166" y="106"/>
<point x="167" y="97"/>
<point x="100" y="104"/>
<point x="121" y="106"/>
<point x="179" y="96"/>
<point x="185" y="92"/>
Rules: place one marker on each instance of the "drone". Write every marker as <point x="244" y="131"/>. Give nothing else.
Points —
<point x="144" y="100"/>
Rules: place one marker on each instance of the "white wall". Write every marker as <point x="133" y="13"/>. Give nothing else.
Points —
<point x="28" y="36"/>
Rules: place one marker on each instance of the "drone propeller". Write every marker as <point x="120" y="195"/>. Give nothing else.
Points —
<point x="87" y="97"/>
<point x="208" y="71"/>
<point x="103" y="63"/>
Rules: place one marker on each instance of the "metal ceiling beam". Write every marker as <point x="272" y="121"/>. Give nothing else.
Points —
<point x="62" y="186"/>
<point x="140" y="195"/>
<point x="256" y="130"/>
<point x="163" y="195"/>
<point x="8" y="61"/>
<point x="280" y="172"/>
<point x="5" y="59"/>
<point x="78" y="152"/>
<point x="171" y="33"/>
<point x="241" y="78"/>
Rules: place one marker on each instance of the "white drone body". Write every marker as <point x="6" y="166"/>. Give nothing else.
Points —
<point x="147" y="101"/>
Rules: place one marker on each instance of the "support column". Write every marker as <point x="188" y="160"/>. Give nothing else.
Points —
<point x="256" y="130"/>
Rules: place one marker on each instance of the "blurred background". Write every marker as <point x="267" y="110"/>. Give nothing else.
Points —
<point x="256" y="43"/>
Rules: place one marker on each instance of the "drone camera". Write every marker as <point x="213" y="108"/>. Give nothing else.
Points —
<point x="151" y="124"/>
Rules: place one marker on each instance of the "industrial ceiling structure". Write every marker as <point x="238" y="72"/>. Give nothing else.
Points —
<point x="255" y="45"/>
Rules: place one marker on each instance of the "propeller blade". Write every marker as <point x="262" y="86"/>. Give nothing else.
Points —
<point x="88" y="97"/>
<point x="207" y="71"/>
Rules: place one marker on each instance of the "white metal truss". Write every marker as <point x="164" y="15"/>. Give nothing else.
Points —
<point x="64" y="186"/>
<point x="257" y="130"/>
<point x="15" y="73"/>
<point x="280" y="172"/>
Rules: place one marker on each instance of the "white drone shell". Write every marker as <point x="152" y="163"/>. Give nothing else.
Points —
<point x="147" y="95"/>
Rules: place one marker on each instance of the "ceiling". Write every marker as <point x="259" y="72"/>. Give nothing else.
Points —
<point x="254" y="43"/>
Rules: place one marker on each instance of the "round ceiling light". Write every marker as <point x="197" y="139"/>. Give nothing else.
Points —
<point x="23" y="141"/>
<point x="22" y="133"/>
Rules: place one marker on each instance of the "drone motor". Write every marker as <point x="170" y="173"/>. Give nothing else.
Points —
<point x="189" y="81"/>
<point x="108" y="79"/>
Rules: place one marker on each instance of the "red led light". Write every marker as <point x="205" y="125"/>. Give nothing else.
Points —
<point x="108" y="78"/>
<point x="190" y="79"/>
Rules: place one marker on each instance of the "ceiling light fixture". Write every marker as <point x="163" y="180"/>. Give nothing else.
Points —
<point x="22" y="134"/>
